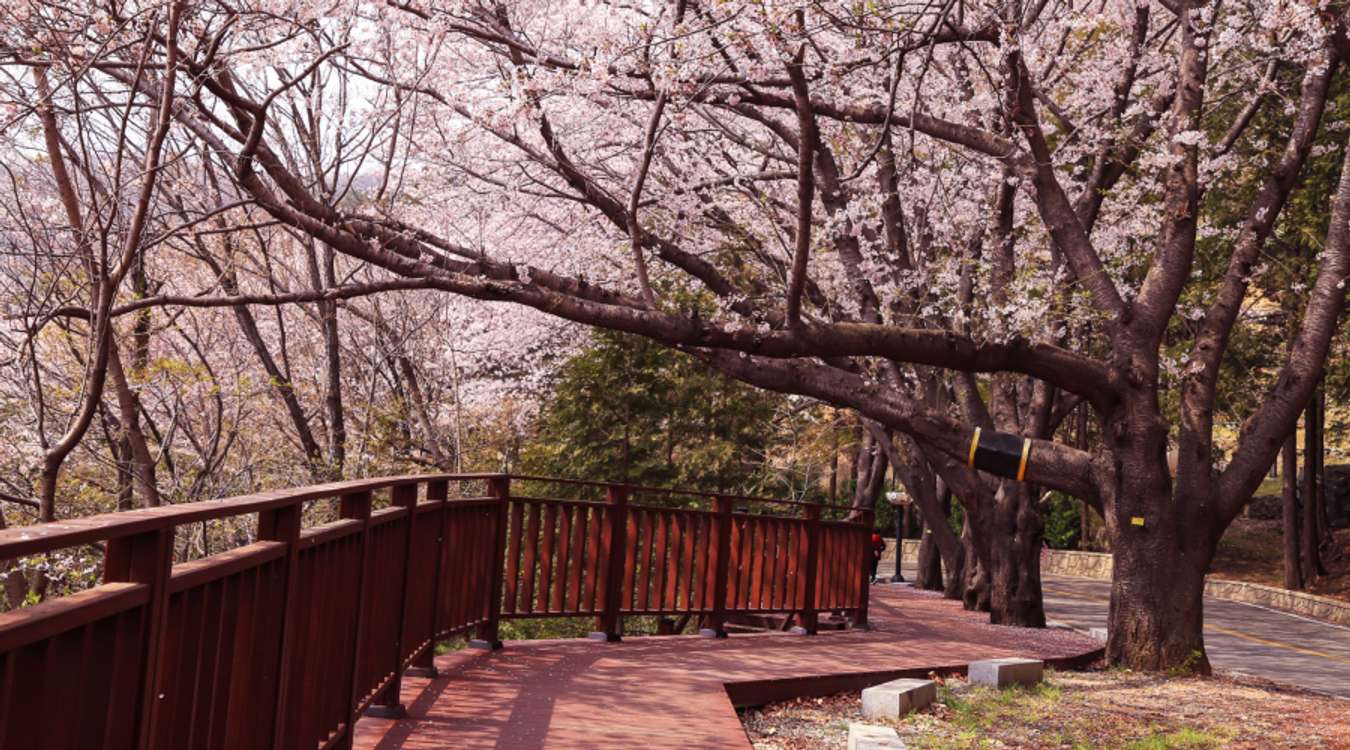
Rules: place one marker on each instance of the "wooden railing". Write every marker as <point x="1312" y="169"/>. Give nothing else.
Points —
<point x="285" y="642"/>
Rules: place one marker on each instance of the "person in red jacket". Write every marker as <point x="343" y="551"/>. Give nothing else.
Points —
<point x="878" y="549"/>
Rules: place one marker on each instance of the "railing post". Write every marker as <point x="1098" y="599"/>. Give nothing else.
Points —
<point x="356" y="506"/>
<point x="614" y="541"/>
<point x="424" y="665"/>
<point x="388" y="704"/>
<point x="810" y="614"/>
<point x="715" y="625"/>
<point x="499" y="487"/>
<point x="145" y="558"/>
<point x="283" y="525"/>
<point x="868" y="520"/>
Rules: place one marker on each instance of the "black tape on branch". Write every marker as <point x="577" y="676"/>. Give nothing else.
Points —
<point x="1000" y="453"/>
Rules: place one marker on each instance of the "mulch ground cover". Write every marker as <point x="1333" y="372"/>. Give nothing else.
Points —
<point x="1094" y="709"/>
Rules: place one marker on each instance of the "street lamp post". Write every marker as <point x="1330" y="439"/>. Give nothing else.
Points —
<point x="900" y="501"/>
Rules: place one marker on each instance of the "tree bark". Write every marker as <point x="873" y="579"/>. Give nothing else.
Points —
<point x="929" y="576"/>
<point x="933" y="499"/>
<point x="1310" y="545"/>
<point x="1293" y="571"/>
<point x="1320" y="456"/>
<point x="1014" y="550"/>
<point x="279" y="381"/>
<point x="423" y="414"/>
<point x="1156" y="616"/>
<point x="141" y="462"/>
<point x="337" y="426"/>
<point x="975" y="594"/>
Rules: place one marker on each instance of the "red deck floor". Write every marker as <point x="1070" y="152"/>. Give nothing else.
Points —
<point x="668" y="692"/>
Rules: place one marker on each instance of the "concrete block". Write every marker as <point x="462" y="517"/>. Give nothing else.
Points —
<point x="1004" y="672"/>
<point x="894" y="699"/>
<point x="873" y="737"/>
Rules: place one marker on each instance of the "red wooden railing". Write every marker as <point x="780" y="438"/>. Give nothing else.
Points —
<point x="285" y="642"/>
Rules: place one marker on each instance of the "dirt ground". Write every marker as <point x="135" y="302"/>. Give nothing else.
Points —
<point x="1094" y="709"/>
<point x="1253" y="550"/>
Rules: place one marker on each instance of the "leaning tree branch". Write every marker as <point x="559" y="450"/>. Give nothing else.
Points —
<point x="806" y="187"/>
<point x="1263" y="434"/>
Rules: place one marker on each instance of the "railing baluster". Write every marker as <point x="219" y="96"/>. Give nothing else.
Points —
<point x="572" y="600"/>
<point x="642" y="580"/>
<point x="660" y="553"/>
<point x="614" y="545"/>
<point x="547" y="534"/>
<point x="499" y="487"/>
<point x="596" y="574"/>
<point x="516" y="530"/>
<point x="759" y="550"/>
<point x="560" y="575"/>
<point x="531" y="560"/>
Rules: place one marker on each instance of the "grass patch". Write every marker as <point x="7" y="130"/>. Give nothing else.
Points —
<point x="1186" y="738"/>
<point x="1270" y="486"/>
<point x="976" y="712"/>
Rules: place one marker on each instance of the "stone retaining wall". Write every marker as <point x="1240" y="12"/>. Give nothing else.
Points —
<point x="1098" y="565"/>
<point x="1297" y="602"/>
<point x="1064" y="562"/>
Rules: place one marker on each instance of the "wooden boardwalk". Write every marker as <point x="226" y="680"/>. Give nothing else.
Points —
<point x="678" y="691"/>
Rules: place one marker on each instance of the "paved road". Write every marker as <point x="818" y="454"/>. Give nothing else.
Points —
<point x="1239" y="637"/>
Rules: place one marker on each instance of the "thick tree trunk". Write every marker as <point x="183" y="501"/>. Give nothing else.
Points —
<point x="929" y="577"/>
<point x="954" y="586"/>
<point x="1015" y="559"/>
<point x="1293" y="572"/>
<point x="976" y="584"/>
<point x="1156" y="616"/>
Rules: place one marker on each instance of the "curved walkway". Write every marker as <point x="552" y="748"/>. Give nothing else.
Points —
<point x="678" y="691"/>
